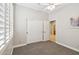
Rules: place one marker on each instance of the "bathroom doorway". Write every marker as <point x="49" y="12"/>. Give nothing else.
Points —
<point x="53" y="31"/>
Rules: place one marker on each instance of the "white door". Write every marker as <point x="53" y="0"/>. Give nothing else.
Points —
<point x="46" y="30"/>
<point x="34" y="31"/>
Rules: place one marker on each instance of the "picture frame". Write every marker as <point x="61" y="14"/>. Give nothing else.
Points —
<point x="74" y="21"/>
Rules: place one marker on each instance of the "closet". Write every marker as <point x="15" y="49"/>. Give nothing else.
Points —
<point x="30" y="25"/>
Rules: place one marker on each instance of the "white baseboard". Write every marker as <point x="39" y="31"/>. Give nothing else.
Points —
<point x="19" y="45"/>
<point x="68" y="46"/>
<point x="26" y="44"/>
<point x="45" y="40"/>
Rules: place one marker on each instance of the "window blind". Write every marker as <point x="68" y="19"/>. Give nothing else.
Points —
<point x="11" y="20"/>
<point x="2" y="23"/>
<point x="6" y="22"/>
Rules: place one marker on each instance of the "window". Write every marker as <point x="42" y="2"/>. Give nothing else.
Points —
<point x="6" y="22"/>
<point x="2" y="23"/>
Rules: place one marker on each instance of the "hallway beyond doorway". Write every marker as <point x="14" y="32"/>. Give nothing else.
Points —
<point x="53" y="31"/>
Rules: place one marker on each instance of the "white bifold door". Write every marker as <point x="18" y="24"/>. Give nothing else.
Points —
<point x="37" y="30"/>
<point x="30" y="25"/>
<point x="34" y="30"/>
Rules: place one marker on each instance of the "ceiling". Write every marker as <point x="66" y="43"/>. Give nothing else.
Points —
<point x="39" y="6"/>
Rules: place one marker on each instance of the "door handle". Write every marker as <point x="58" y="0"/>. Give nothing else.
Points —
<point x="26" y="32"/>
<point x="43" y="32"/>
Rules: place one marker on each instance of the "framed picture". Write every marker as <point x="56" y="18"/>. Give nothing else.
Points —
<point x="74" y="21"/>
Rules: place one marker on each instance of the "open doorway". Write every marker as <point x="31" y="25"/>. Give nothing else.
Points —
<point x="53" y="31"/>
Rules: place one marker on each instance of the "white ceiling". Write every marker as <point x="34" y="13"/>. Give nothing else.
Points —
<point x="37" y="6"/>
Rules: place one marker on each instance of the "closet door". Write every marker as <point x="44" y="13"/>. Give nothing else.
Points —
<point x="34" y="30"/>
<point x="46" y="30"/>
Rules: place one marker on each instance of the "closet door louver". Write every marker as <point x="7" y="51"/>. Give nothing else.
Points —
<point x="2" y="23"/>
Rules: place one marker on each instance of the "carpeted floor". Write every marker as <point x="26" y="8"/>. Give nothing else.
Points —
<point x="43" y="48"/>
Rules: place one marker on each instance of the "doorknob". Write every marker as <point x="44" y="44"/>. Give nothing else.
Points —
<point x="43" y="32"/>
<point x="26" y="32"/>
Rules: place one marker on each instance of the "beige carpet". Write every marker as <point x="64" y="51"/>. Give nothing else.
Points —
<point x="43" y="48"/>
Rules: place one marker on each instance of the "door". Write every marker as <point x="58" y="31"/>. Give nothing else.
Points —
<point x="34" y="31"/>
<point x="53" y="31"/>
<point x="46" y="30"/>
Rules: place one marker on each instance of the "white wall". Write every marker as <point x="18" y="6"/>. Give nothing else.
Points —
<point x="21" y="14"/>
<point x="66" y="34"/>
<point x="51" y="17"/>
